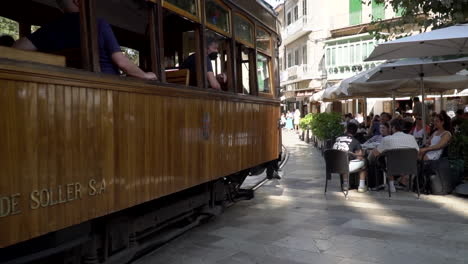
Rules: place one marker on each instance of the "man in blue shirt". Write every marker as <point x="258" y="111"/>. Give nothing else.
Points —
<point x="64" y="34"/>
<point x="212" y="54"/>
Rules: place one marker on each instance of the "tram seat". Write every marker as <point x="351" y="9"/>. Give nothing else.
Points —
<point x="181" y="76"/>
<point x="73" y="57"/>
<point x="31" y="56"/>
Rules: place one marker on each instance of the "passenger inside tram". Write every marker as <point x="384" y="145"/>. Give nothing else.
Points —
<point x="64" y="34"/>
<point x="6" y="40"/>
<point x="212" y="54"/>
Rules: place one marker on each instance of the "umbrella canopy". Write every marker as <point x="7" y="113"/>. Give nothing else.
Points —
<point x="414" y="68"/>
<point x="317" y="97"/>
<point x="446" y="41"/>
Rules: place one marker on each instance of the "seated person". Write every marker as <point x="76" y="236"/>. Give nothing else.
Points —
<point x="348" y="143"/>
<point x="7" y="41"/>
<point x="397" y="140"/>
<point x="438" y="140"/>
<point x="374" y="126"/>
<point x="417" y="131"/>
<point x="64" y="34"/>
<point x="384" y="131"/>
<point x="212" y="53"/>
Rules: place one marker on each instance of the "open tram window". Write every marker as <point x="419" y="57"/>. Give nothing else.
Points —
<point x="131" y="30"/>
<point x="180" y="45"/>
<point x="264" y="51"/>
<point x="245" y="61"/>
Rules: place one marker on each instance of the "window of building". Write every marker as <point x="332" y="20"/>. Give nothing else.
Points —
<point x="289" y="18"/>
<point x="333" y="56"/>
<point x="304" y="55"/>
<point x="364" y="51"/>
<point x="378" y="11"/>
<point x="339" y="59"/>
<point x="289" y="59"/>
<point x="351" y="54"/>
<point x="263" y="76"/>
<point x="328" y="57"/>
<point x="304" y="7"/>
<point x="296" y="13"/>
<point x="296" y="57"/>
<point x="355" y="12"/>
<point x="358" y="53"/>
<point x="346" y="55"/>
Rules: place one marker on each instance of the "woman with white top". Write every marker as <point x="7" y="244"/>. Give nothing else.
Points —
<point x="417" y="130"/>
<point x="297" y="119"/>
<point x="439" y="139"/>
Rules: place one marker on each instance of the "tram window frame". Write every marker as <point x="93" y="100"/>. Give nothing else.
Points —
<point x="131" y="38"/>
<point x="241" y="46"/>
<point x="268" y="55"/>
<point x="252" y="33"/>
<point x="214" y="27"/>
<point x="184" y="13"/>
<point x="179" y="56"/>
<point x="268" y="93"/>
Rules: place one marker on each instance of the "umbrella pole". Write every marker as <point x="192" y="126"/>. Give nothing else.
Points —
<point x="393" y="103"/>
<point x="423" y="105"/>
<point x="441" y="101"/>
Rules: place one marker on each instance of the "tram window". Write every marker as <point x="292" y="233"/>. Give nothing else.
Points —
<point x="179" y="36"/>
<point x="243" y="69"/>
<point x="220" y="63"/>
<point x="9" y="27"/>
<point x="131" y="32"/>
<point x="263" y="73"/>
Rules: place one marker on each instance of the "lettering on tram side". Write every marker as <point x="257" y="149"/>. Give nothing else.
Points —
<point x="42" y="198"/>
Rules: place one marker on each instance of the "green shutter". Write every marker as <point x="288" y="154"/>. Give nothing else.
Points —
<point x="355" y="12"/>
<point x="378" y="11"/>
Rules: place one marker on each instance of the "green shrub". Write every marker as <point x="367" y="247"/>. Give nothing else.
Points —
<point x="326" y="125"/>
<point x="458" y="148"/>
<point x="305" y="122"/>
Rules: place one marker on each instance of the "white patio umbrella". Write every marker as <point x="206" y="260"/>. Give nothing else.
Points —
<point x="446" y="41"/>
<point x="414" y="68"/>
<point x="318" y="96"/>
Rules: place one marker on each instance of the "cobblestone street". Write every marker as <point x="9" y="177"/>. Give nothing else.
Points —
<point x="292" y="221"/>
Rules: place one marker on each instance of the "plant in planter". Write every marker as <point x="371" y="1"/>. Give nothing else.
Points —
<point x="326" y="127"/>
<point x="304" y="124"/>
<point x="458" y="148"/>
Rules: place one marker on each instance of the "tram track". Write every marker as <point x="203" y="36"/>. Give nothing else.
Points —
<point x="284" y="160"/>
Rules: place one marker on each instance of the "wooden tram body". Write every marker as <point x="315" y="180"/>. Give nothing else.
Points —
<point x="80" y="150"/>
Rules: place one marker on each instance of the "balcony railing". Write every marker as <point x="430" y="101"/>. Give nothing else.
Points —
<point x="301" y="26"/>
<point x="299" y="73"/>
<point x="339" y="72"/>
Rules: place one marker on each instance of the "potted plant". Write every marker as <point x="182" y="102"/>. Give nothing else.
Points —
<point x="304" y="124"/>
<point x="458" y="149"/>
<point x="326" y="127"/>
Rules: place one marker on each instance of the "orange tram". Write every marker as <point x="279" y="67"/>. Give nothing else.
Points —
<point x="96" y="167"/>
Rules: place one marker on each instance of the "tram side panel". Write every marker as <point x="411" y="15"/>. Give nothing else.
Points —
<point x="70" y="153"/>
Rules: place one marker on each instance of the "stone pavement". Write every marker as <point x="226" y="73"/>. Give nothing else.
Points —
<point x="292" y="221"/>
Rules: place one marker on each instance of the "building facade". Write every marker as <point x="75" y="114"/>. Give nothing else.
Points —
<point x="324" y="42"/>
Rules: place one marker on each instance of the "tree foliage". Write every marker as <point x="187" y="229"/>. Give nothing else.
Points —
<point x="9" y="27"/>
<point x="426" y="14"/>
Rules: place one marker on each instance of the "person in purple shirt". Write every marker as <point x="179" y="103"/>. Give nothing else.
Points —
<point x="65" y="34"/>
